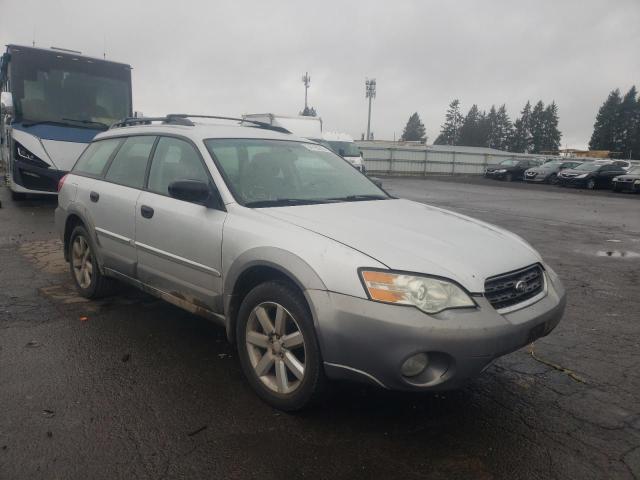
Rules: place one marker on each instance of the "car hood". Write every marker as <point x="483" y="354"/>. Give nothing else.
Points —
<point x="411" y="236"/>
<point x="572" y="171"/>
<point x="633" y="176"/>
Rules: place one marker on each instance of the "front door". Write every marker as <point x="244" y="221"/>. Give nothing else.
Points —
<point x="179" y="243"/>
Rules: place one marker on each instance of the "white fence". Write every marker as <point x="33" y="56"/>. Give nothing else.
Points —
<point x="421" y="160"/>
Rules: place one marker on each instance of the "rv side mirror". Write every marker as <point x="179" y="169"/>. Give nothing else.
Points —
<point x="6" y="103"/>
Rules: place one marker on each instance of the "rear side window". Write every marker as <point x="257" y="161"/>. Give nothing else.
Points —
<point x="95" y="157"/>
<point x="173" y="160"/>
<point x="130" y="163"/>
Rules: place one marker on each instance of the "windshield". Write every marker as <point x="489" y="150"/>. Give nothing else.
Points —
<point x="273" y="172"/>
<point x="51" y="87"/>
<point x="349" y="149"/>
<point x="553" y="164"/>
<point x="589" y="167"/>
<point x="509" y="162"/>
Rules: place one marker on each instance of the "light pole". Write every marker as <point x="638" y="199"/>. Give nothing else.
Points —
<point x="306" y="79"/>
<point x="370" y="93"/>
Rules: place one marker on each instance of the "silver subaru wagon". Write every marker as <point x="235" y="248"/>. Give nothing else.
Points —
<point x="315" y="272"/>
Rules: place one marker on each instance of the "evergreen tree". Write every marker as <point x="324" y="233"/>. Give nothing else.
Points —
<point x="483" y="129"/>
<point x="493" y="136"/>
<point x="521" y="141"/>
<point x="628" y="122"/>
<point x="450" y="130"/>
<point x="605" y="129"/>
<point x="537" y="128"/>
<point x="414" y="130"/>
<point x="552" y="135"/>
<point x="470" y="129"/>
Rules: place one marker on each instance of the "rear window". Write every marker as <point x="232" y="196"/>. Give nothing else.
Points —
<point x="95" y="157"/>
<point x="130" y="164"/>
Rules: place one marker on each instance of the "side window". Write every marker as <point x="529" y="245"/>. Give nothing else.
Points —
<point x="174" y="159"/>
<point x="95" y="157"/>
<point x="130" y="163"/>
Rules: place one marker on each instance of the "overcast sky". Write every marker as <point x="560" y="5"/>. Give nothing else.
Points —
<point x="237" y="57"/>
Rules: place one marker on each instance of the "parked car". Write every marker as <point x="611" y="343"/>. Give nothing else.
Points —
<point x="314" y="271"/>
<point x="627" y="182"/>
<point x="590" y="175"/>
<point x="548" y="172"/>
<point x="510" y="169"/>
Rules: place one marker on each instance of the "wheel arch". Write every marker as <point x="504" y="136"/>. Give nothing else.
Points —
<point x="260" y="265"/>
<point x="74" y="218"/>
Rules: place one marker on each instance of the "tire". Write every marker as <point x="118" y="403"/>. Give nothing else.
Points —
<point x="17" y="196"/>
<point x="508" y="177"/>
<point x="268" y="351"/>
<point x="591" y="184"/>
<point x="92" y="284"/>
<point x="552" y="179"/>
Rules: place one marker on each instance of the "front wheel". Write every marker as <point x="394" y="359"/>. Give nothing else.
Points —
<point x="552" y="179"/>
<point x="508" y="177"/>
<point x="278" y="348"/>
<point x="591" y="184"/>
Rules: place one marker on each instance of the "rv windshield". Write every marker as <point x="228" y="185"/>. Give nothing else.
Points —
<point x="349" y="149"/>
<point x="50" y="86"/>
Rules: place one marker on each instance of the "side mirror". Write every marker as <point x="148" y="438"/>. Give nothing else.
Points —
<point x="6" y="103"/>
<point x="193" y="191"/>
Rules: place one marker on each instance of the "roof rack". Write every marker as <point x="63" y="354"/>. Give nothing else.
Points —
<point x="183" y="119"/>
<point x="132" y="121"/>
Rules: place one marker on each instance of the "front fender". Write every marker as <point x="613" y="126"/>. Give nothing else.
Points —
<point x="289" y="264"/>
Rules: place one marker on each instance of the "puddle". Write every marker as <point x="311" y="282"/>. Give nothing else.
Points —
<point x="618" y="253"/>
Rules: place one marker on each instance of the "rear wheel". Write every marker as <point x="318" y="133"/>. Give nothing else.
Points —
<point x="278" y="348"/>
<point x="89" y="281"/>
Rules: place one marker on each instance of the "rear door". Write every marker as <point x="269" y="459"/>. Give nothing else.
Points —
<point x="179" y="243"/>
<point x="112" y="202"/>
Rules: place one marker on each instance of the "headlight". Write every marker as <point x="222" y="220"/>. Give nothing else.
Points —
<point x="636" y="182"/>
<point x="582" y="176"/>
<point x="431" y="295"/>
<point x="502" y="170"/>
<point x="21" y="153"/>
<point x="615" y="179"/>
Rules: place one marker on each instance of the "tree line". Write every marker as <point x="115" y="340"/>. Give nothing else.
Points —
<point x="617" y="125"/>
<point x="534" y="131"/>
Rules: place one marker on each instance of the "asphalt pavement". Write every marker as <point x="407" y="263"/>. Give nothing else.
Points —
<point x="131" y="387"/>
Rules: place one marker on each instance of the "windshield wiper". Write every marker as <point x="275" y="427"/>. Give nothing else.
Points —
<point x="88" y="122"/>
<point x="358" y="198"/>
<point x="283" y="202"/>
<point x="31" y="123"/>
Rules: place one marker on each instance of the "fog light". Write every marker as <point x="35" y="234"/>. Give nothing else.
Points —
<point x="414" y="365"/>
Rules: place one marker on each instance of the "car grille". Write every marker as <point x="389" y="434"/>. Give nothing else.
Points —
<point x="512" y="288"/>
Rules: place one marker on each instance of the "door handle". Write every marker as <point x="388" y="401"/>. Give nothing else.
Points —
<point x="94" y="196"/>
<point x="147" y="212"/>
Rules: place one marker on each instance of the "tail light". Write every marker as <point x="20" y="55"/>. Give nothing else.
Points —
<point x="61" y="182"/>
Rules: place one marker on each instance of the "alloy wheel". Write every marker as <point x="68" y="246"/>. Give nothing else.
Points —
<point x="81" y="261"/>
<point x="276" y="347"/>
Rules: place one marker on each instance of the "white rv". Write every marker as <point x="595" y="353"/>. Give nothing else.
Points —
<point x="53" y="103"/>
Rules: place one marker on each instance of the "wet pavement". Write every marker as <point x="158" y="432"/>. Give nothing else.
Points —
<point x="131" y="387"/>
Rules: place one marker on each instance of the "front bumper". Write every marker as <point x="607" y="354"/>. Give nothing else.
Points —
<point x="495" y="174"/>
<point x="27" y="178"/>
<point x="626" y="186"/>
<point x="368" y="341"/>
<point x="572" y="181"/>
<point x="538" y="177"/>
